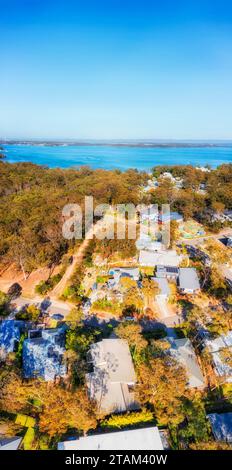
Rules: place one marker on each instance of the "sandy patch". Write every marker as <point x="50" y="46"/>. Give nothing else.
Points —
<point x="12" y="275"/>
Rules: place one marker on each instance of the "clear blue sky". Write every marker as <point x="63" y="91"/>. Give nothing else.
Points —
<point x="116" y="69"/>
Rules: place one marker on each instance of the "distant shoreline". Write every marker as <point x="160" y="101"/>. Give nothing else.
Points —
<point x="118" y="155"/>
<point x="143" y="144"/>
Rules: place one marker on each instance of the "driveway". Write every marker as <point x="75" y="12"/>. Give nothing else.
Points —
<point x="163" y="308"/>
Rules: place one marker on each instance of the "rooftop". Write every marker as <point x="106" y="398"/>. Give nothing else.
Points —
<point x="221" y="424"/>
<point x="117" y="273"/>
<point x="183" y="351"/>
<point x="146" y="243"/>
<point x="43" y="356"/>
<point x="113" y="373"/>
<point x="136" y="439"/>
<point x="188" y="279"/>
<point x="172" y="216"/>
<point x="10" y="331"/>
<point x="165" y="257"/>
<point x="216" y="347"/>
<point x="10" y="443"/>
<point x="163" y="271"/>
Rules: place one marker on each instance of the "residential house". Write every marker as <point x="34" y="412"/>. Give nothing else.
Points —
<point x="221" y="424"/>
<point x="176" y="181"/>
<point x="218" y="217"/>
<point x="119" y="273"/>
<point x="164" y="257"/>
<point x="229" y="242"/>
<point x="205" y="169"/>
<point x="169" y="272"/>
<point x="195" y="252"/>
<point x="10" y="332"/>
<point x="228" y="215"/>
<point x="182" y="350"/>
<point x="10" y="443"/>
<point x="151" y="184"/>
<point x="43" y="354"/>
<point x="220" y="349"/>
<point x="171" y="216"/>
<point x="188" y="281"/>
<point x="111" y="382"/>
<point x="129" y="439"/>
<point x="145" y="242"/>
<point x="148" y="213"/>
<point x="222" y="217"/>
<point x="167" y="174"/>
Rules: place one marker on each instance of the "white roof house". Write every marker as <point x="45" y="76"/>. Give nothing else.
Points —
<point x="112" y="380"/>
<point x="188" y="280"/>
<point x="183" y="352"/>
<point x="145" y="242"/>
<point x="135" y="439"/>
<point x="167" y="174"/>
<point x="148" y="213"/>
<point x="165" y="257"/>
<point x="118" y="273"/>
<point x="217" y="348"/>
<point x="221" y="424"/>
<point x="171" y="216"/>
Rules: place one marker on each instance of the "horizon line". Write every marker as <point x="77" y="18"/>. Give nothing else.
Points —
<point x="116" y="140"/>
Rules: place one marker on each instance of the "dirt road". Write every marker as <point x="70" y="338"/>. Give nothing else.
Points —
<point x="77" y="260"/>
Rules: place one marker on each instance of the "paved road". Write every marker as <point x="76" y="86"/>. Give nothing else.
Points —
<point x="55" y="306"/>
<point x="198" y="241"/>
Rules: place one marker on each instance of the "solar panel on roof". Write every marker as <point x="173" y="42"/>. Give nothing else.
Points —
<point x="171" y="270"/>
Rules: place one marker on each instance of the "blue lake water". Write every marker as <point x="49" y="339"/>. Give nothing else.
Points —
<point x="111" y="157"/>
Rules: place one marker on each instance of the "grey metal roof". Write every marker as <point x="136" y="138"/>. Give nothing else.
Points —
<point x="188" y="279"/>
<point x="113" y="371"/>
<point x="183" y="351"/>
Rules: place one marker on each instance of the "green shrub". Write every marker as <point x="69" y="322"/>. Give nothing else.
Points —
<point x="45" y="286"/>
<point x="4" y="303"/>
<point x="102" y="279"/>
<point x="20" y="348"/>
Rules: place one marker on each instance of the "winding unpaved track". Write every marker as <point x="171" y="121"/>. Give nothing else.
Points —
<point x="77" y="260"/>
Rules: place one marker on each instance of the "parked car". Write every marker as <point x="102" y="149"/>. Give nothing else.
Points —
<point x="57" y="316"/>
<point x="14" y="291"/>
